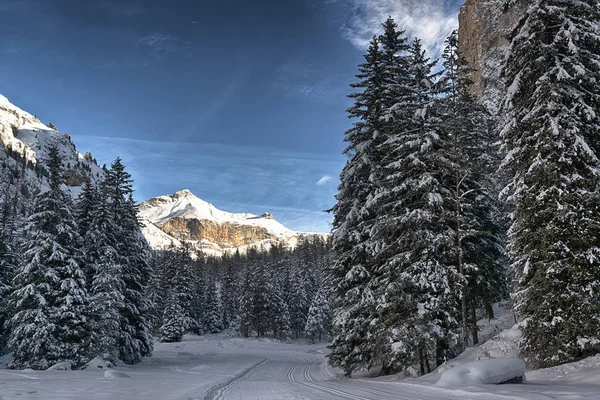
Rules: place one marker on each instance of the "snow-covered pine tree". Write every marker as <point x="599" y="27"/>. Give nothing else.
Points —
<point x="49" y="300"/>
<point x="103" y="270"/>
<point x="263" y="292"/>
<point x="479" y="238"/>
<point x="213" y="313"/>
<point x="199" y="294"/>
<point x="9" y="260"/>
<point x="549" y="127"/>
<point x="246" y="311"/>
<point x="350" y="274"/>
<point x="230" y="296"/>
<point x="136" y="340"/>
<point x="318" y="316"/>
<point x="158" y="287"/>
<point x="172" y="329"/>
<point x="280" y="314"/>
<point x="415" y="276"/>
<point x="299" y="301"/>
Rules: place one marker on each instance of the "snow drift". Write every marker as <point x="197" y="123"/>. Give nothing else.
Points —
<point x="489" y="371"/>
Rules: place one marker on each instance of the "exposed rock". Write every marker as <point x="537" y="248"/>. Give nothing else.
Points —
<point x="484" y="26"/>
<point x="226" y="234"/>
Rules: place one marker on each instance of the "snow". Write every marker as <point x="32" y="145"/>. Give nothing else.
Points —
<point x="62" y="366"/>
<point x="111" y="374"/>
<point x="222" y="367"/>
<point x="490" y="371"/>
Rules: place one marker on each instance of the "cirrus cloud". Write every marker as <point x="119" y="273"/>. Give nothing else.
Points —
<point x="429" y="20"/>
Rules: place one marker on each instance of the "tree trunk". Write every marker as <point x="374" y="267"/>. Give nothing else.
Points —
<point x="474" y="328"/>
<point x="422" y="361"/>
<point x="427" y="365"/>
<point x="439" y="352"/>
<point x="489" y="309"/>
<point x="461" y="269"/>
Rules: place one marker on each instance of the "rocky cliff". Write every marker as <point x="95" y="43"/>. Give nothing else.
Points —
<point x="224" y="234"/>
<point x="184" y="218"/>
<point x="484" y="26"/>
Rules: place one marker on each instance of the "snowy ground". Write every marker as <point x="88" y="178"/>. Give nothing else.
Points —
<point x="217" y="367"/>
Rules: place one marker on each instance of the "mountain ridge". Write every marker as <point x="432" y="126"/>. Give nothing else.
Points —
<point x="182" y="217"/>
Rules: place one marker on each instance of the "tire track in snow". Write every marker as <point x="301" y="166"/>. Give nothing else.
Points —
<point x="219" y="391"/>
<point x="292" y="370"/>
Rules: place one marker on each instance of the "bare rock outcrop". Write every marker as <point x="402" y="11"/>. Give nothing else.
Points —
<point x="484" y="26"/>
<point x="226" y="234"/>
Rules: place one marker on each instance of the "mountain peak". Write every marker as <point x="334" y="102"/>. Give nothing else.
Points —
<point x="183" y="193"/>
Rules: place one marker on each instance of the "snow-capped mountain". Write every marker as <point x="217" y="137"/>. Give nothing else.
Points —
<point x="26" y="141"/>
<point x="183" y="217"/>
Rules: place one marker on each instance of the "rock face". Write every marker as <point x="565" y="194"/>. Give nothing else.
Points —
<point x="484" y="26"/>
<point x="225" y="234"/>
<point x="182" y="218"/>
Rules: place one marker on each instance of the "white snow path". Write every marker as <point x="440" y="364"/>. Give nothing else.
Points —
<point x="216" y="367"/>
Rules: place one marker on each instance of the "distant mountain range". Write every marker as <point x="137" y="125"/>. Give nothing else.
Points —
<point x="182" y="217"/>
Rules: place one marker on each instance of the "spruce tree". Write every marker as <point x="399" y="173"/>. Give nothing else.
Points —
<point x="350" y="274"/>
<point x="50" y="300"/>
<point x="318" y="316"/>
<point x="135" y="341"/>
<point x="280" y="314"/>
<point x="103" y="270"/>
<point x="229" y="296"/>
<point x="479" y="240"/>
<point x="213" y="320"/>
<point x="246" y="311"/>
<point x="550" y="118"/>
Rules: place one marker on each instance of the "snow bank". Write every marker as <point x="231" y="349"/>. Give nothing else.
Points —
<point x="489" y="371"/>
<point x="61" y="366"/>
<point x="112" y="374"/>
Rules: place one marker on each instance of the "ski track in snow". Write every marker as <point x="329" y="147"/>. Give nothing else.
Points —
<point x="216" y="367"/>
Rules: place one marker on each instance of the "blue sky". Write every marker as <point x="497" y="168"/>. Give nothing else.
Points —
<point x="242" y="102"/>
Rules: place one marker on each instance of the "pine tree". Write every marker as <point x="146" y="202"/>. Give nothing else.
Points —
<point x="280" y="314"/>
<point x="172" y="329"/>
<point x="49" y="300"/>
<point x="103" y="270"/>
<point x="229" y="296"/>
<point x="350" y="274"/>
<point x="479" y="239"/>
<point x="213" y="320"/>
<point x="318" y="315"/>
<point x="135" y="341"/>
<point x="550" y="137"/>
<point x="246" y="312"/>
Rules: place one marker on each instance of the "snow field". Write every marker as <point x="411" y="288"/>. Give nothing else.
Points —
<point x="219" y="367"/>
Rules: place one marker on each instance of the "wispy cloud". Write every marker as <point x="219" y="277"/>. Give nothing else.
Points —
<point x="324" y="179"/>
<point x="298" y="78"/>
<point x="430" y="20"/>
<point x="161" y="45"/>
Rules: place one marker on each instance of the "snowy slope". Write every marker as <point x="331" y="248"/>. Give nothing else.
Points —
<point x="24" y="137"/>
<point x="159" y="212"/>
